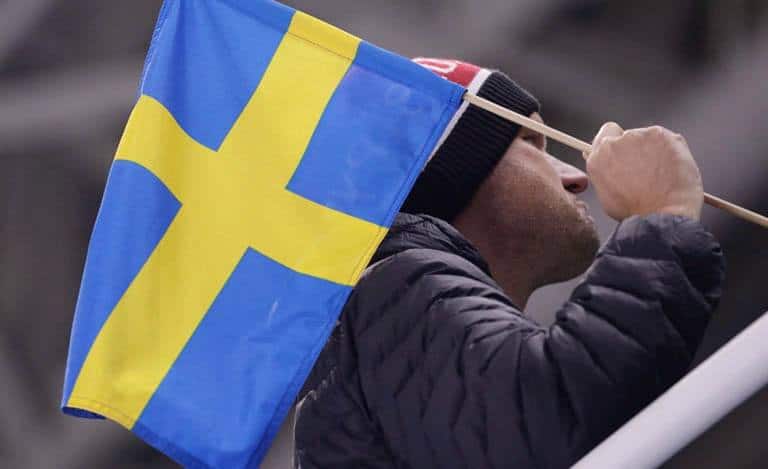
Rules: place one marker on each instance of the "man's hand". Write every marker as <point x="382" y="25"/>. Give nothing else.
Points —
<point x="643" y="171"/>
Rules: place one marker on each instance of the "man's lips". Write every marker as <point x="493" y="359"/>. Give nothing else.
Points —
<point x="583" y="208"/>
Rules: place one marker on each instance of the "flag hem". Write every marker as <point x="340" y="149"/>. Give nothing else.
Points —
<point x="163" y="445"/>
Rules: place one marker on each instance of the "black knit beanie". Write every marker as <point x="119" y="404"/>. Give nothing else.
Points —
<point x="473" y="142"/>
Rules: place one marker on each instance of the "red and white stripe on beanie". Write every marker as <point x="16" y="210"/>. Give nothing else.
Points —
<point x="468" y="75"/>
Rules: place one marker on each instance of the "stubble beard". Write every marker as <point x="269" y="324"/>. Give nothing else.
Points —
<point x="573" y="241"/>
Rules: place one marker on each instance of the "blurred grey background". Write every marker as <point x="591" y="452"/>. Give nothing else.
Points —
<point x="68" y="76"/>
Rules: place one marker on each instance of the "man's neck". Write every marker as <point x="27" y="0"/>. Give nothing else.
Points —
<point x="515" y="272"/>
<point x="511" y="275"/>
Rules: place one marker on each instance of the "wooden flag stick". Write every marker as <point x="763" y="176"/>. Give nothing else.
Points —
<point x="585" y="148"/>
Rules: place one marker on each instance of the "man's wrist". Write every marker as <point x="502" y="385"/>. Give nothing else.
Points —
<point x="683" y="210"/>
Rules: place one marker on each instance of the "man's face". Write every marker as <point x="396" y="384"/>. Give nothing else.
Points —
<point x="532" y="200"/>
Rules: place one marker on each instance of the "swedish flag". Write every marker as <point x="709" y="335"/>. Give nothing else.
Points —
<point x="266" y="157"/>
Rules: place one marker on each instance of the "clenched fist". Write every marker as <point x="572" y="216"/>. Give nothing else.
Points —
<point x="643" y="171"/>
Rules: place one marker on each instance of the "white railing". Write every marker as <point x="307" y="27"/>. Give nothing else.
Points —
<point x="704" y="396"/>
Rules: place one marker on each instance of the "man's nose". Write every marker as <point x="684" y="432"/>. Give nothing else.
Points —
<point x="573" y="179"/>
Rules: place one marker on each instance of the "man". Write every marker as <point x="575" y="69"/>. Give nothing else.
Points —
<point x="433" y="363"/>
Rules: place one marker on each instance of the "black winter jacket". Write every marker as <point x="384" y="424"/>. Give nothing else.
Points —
<point x="432" y="366"/>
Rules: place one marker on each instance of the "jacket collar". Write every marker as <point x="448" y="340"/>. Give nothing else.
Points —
<point x="427" y="232"/>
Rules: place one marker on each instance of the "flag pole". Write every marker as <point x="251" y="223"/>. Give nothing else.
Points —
<point x="585" y="148"/>
<point x="726" y="379"/>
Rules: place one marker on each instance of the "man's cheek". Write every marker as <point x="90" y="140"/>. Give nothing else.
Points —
<point x="553" y="172"/>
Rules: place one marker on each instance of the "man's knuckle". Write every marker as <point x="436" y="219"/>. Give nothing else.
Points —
<point x="635" y="134"/>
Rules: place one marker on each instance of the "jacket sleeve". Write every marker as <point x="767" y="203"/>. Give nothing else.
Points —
<point x="455" y="376"/>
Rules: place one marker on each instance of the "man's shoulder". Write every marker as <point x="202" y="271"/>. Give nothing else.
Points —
<point x="419" y="267"/>
<point x="405" y="285"/>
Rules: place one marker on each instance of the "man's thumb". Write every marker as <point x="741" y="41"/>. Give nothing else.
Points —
<point x="609" y="129"/>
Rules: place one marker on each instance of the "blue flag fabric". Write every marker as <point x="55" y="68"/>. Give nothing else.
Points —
<point x="264" y="161"/>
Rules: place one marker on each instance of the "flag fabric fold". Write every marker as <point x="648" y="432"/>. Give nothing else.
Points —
<point x="265" y="158"/>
